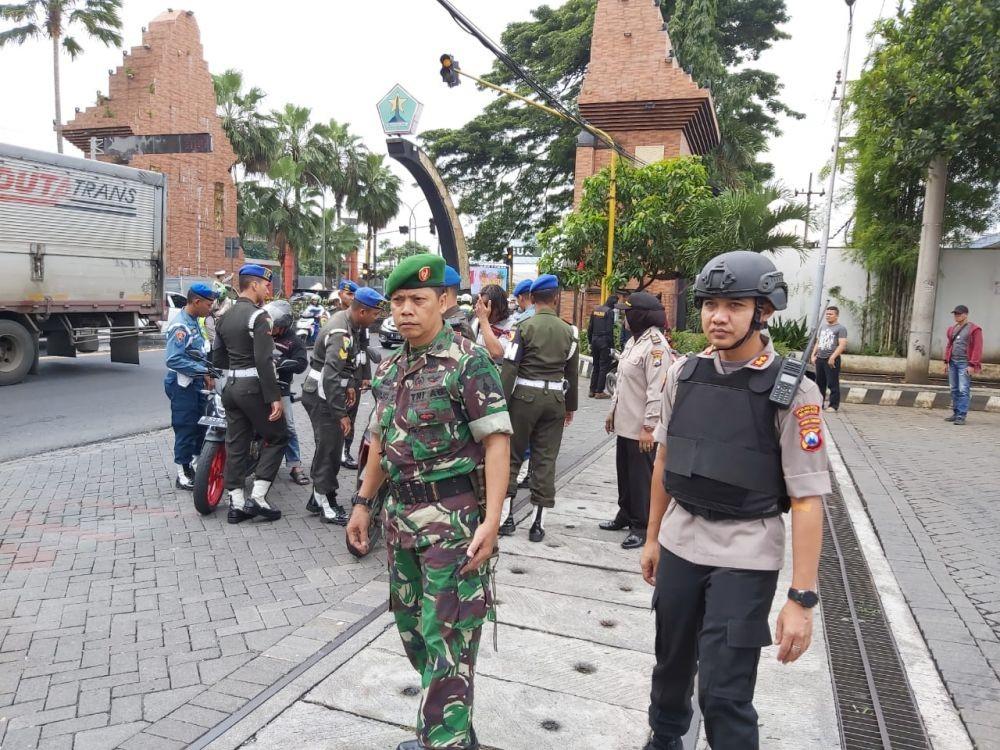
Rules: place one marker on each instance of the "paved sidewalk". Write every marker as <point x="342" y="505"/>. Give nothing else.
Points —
<point x="932" y="492"/>
<point x="576" y="641"/>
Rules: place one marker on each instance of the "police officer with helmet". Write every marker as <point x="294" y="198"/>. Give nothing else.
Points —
<point x="732" y="460"/>
<point x="186" y="376"/>
<point x="252" y="396"/>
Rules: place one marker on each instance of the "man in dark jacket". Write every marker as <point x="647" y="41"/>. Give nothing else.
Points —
<point x="290" y="359"/>
<point x="601" y="335"/>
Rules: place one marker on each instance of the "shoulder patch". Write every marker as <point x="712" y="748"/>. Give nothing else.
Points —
<point x="759" y="362"/>
<point x="180" y="334"/>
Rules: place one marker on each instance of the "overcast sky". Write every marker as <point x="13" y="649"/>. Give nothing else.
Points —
<point x="339" y="57"/>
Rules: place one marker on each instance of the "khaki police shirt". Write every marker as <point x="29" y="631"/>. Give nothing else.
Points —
<point x="642" y="371"/>
<point x="757" y="544"/>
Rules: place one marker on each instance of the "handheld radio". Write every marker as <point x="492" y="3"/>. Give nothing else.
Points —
<point x="791" y="374"/>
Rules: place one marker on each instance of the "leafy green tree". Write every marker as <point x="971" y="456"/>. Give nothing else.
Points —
<point x="391" y="255"/>
<point x="343" y="153"/>
<point x="668" y="224"/>
<point x="52" y="19"/>
<point x="928" y="96"/>
<point x="376" y="202"/>
<point x="512" y="166"/>
<point x="252" y="135"/>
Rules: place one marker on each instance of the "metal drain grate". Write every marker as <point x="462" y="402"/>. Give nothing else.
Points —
<point x="875" y="707"/>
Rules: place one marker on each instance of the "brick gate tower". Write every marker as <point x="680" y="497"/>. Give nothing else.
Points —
<point x="160" y="114"/>
<point x="636" y="91"/>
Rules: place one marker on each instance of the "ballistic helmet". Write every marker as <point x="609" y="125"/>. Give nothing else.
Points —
<point x="740" y="274"/>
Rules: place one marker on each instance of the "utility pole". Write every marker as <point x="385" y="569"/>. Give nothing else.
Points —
<point x="808" y="193"/>
<point x="824" y="244"/>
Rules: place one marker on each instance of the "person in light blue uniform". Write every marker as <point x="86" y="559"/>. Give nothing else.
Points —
<point x="522" y="293"/>
<point x="186" y="377"/>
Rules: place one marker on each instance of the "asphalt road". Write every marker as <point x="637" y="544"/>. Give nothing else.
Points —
<point x="89" y="399"/>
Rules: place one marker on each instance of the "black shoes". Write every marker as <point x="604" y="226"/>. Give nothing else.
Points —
<point x="473" y="743"/>
<point x="253" y="508"/>
<point x="508" y="527"/>
<point x="349" y="461"/>
<point x="613" y="525"/>
<point x="633" y="541"/>
<point x="952" y="418"/>
<point x="311" y="505"/>
<point x="536" y="533"/>
<point x="655" y="743"/>
<point x="185" y="477"/>
<point x="334" y="512"/>
<point x="959" y="421"/>
<point x="298" y="476"/>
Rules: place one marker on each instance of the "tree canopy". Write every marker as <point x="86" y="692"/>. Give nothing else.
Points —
<point x="668" y="224"/>
<point x="929" y="88"/>
<point x="512" y="166"/>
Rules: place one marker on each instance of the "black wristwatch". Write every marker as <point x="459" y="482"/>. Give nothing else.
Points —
<point x="807" y="599"/>
<point x="357" y="499"/>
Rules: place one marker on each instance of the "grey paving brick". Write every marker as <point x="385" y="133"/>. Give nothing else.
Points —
<point x="64" y="694"/>
<point x="175" y="730"/>
<point x="78" y="724"/>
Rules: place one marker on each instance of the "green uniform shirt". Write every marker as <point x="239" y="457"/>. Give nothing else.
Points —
<point x="434" y="406"/>
<point x="545" y="347"/>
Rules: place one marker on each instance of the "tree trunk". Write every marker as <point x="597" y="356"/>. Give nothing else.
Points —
<point x="918" y="353"/>
<point x="55" y="85"/>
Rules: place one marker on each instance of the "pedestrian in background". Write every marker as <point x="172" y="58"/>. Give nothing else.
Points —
<point x="831" y="342"/>
<point x="493" y="325"/>
<point x="601" y="335"/>
<point x="540" y="374"/>
<point x="186" y="377"/>
<point x="291" y="359"/>
<point x="635" y="413"/>
<point x="964" y="355"/>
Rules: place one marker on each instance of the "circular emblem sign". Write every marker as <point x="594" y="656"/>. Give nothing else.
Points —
<point x="424" y="273"/>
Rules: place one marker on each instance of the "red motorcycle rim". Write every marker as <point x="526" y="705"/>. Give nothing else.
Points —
<point x="215" y="477"/>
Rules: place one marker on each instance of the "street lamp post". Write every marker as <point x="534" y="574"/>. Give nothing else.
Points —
<point x="450" y="70"/>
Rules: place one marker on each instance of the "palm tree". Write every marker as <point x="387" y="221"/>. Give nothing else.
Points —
<point x="252" y="136"/>
<point x="742" y="219"/>
<point x="343" y="152"/>
<point x="51" y="18"/>
<point x="377" y="199"/>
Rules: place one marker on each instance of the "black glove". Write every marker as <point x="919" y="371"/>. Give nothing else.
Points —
<point x="287" y="365"/>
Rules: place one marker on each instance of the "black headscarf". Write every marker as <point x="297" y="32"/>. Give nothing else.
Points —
<point x="639" y="320"/>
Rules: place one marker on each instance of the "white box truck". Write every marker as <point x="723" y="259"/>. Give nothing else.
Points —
<point x="81" y="250"/>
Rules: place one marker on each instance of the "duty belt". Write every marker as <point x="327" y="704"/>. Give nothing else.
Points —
<point x="246" y="372"/>
<point x="411" y="493"/>
<point x="548" y="385"/>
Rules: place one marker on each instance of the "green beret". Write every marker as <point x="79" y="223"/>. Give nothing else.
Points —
<point x="416" y="272"/>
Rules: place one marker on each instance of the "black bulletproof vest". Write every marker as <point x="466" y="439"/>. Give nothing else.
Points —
<point x="603" y="321"/>
<point x="723" y="452"/>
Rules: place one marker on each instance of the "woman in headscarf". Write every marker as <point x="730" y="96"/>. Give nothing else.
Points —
<point x="635" y="412"/>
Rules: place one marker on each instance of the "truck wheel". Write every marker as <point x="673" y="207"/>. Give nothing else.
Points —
<point x="17" y="352"/>
<point x="208" y="477"/>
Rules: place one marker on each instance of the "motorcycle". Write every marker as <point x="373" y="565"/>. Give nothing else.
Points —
<point x="307" y="328"/>
<point x="612" y="382"/>
<point x="209" y="473"/>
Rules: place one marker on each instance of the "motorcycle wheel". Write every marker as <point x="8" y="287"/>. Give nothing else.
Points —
<point x="611" y="384"/>
<point x="209" y="486"/>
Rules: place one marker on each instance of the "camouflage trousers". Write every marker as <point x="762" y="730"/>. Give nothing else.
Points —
<point x="439" y="613"/>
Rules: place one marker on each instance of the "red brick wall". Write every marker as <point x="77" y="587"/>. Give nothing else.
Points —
<point x="164" y="86"/>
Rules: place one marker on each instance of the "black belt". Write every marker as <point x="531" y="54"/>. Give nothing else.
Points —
<point x="411" y="493"/>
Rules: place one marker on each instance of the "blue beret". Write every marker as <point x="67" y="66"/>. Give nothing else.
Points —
<point x="348" y="285"/>
<point x="368" y="296"/>
<point x="544" y="283"/>
<point x="451" y="277"/>
<point x="203" y="290"/>
<point x="252" y="269"/>
<point x="523" y="287"/>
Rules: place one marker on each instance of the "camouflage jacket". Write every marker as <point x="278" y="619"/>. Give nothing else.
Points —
<point x="434" y="407"/>
<point x="459" y="321"/>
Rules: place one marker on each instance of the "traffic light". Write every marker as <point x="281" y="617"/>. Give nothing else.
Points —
<point x="449" y="70"/>
<point x="431" y="226"/>
<point x="403" y="229"/>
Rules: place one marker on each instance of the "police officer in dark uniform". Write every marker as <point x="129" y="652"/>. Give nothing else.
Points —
<point x="331" y="390"/>
<point x="252" y="396"/>
<point x="731" y="460"/>
<point x="601" y="335"/>
<point x="455" y="316"/>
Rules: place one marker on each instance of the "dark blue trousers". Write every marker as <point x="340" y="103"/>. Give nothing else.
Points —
<point x="187" y="405"/>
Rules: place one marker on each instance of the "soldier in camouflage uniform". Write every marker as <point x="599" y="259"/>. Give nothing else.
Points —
<point x="440" y="437"/>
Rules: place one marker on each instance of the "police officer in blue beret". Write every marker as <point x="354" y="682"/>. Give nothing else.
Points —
<point x="252" y="396"/>
<point x="540" y="375"/>
<point x="455" y="316"/>
<point x="186" y="377"/>
<point x="522" y="294"/>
